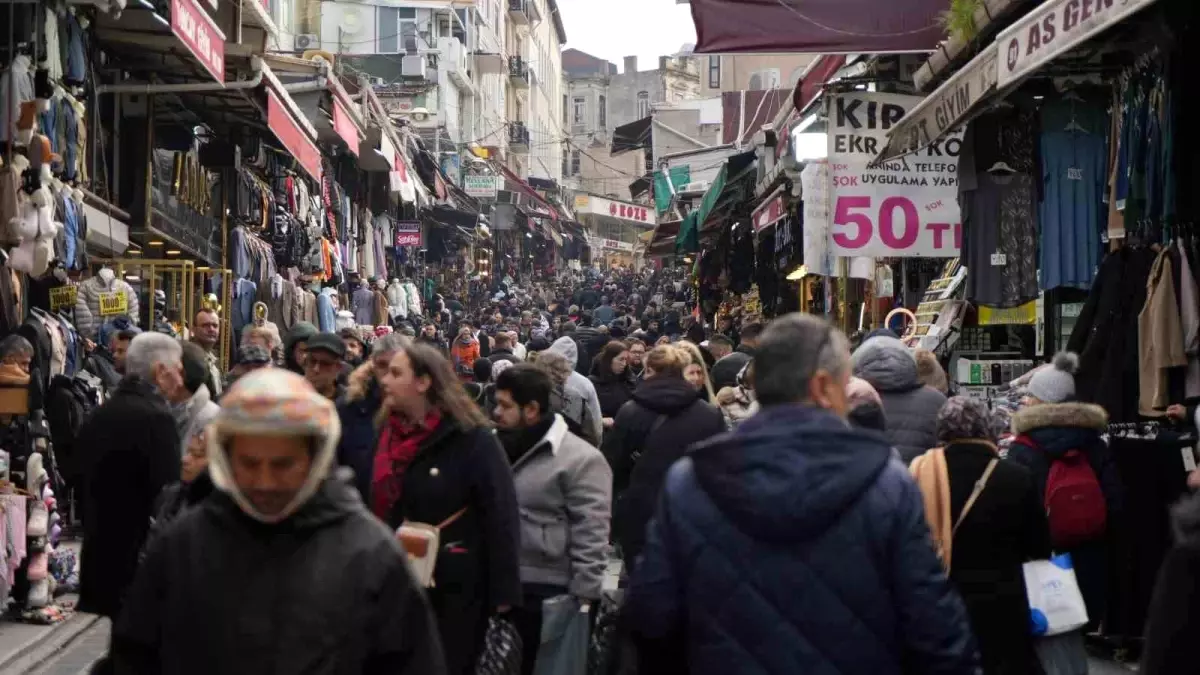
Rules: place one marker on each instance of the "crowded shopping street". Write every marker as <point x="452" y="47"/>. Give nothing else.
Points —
<point x="567" y="337"/>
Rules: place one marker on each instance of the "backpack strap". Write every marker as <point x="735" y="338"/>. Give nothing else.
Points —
<point x="979" y="485"/>
<point x="655" y="426"/>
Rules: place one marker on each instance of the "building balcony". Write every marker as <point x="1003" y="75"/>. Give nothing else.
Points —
<point x="518" y="137"/>
<point x="523" y="12"/>
<point x="518" y="73"/>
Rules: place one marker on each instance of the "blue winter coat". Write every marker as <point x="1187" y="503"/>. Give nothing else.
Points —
<point x="796" y="544"/>
<point x="357" y="410"/>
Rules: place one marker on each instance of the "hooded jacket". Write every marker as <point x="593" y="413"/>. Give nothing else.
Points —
<point x="564" y="490"/>
<point x="580" y="402"/>
<point x="641" y="450"/>
<point x="324" y="591"/>
<point x="357" y="411"/>
<point x="300" y="332"/>
<point x="796" y="545"/>
<point x="910" y="407"/>
<point x="1174" y="613"/>
<point x="193" y="415"/>
<point x="1044" y="433"/>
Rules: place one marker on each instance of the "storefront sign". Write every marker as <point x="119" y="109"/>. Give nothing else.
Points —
<point x="1055" y="27"/>
<point x="344" y="126"/>
<point x="931" y="119"/>
<point x="199" y="33"/>
<point x="408" y="233"/>
<point x="292" y="136"/>
<point x="1023" y="315"/>
<point x="114" y="304"/>
<point x="612" y="244"/>
<point x="768" y="213"/>
<point x="906" y="207"/>
<point x="814" y="181"/>
<point x="633" y="213"/>
<point x="481" y="187"/>
<point x="63" y="297"/>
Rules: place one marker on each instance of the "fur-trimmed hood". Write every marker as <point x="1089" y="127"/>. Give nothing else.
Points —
<point x="1071" y="415"/>
<point x="359" y="383"/>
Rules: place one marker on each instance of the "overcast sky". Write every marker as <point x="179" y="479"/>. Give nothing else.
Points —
<point x="614" y="29"/>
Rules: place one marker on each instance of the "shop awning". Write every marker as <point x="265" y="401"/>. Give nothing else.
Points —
<point x="1050" y="30"/>
<point x="632" y="136"/>
<point x="946" y="108"/>
<point x="688" y="239"/>
<point x="453" y="217"/>
<point x="814" y="79"/>
<point x="817" y="26"/>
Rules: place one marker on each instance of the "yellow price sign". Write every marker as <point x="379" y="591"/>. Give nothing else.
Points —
<point x="113" y="304"/>
<point x="62" y="297"/>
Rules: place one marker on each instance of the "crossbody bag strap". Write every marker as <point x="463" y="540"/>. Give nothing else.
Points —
<point x="979" y="485"/>
<point x="452" y="519"/>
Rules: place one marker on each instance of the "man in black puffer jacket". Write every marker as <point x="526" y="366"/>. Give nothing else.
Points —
<point x="910" y="407"/>
<point x="650" y="432"/>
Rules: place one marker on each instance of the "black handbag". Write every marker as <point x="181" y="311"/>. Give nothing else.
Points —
<point x="501" y="653"/>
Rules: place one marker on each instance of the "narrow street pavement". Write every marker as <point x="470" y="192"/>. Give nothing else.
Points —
<point x="76" y="656"/>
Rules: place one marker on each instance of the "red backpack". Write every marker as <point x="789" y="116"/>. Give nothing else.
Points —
<point x="1075" y="507"/>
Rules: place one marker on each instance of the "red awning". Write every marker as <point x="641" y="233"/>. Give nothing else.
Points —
<point x="810" y="85"/>
<point x="817" y="26"/>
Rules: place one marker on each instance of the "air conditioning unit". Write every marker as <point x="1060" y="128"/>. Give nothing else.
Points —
<point x="413" y="66"/>
<point x="307" y="41"/>
<point x="697" y="186"/>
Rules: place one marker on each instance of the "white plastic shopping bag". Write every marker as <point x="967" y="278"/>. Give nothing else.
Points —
<point x="1055" y="603"/>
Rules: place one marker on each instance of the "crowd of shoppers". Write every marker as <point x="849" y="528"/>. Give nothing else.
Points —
<point x="779" y="504"/>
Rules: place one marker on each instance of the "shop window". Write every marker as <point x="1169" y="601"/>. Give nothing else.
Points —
<point x="574" y="162"/>
<point x="643" y="101"/>
<point x="714" y="72"/>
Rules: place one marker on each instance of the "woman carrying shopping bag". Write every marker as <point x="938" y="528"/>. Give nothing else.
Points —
<point x="987" y="520"/>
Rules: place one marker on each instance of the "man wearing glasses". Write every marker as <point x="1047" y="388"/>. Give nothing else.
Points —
<point x="323" y="363"/>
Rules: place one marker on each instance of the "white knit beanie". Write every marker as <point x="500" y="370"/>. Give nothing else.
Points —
<point x="1057" y="383"/>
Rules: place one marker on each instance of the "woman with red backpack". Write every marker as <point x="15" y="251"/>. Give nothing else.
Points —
<point x="1060" y="441"/>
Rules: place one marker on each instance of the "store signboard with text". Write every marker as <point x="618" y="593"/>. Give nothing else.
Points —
<point x="903" y="207"/>
<point x="199" y="33"/>
<point x="408" y="233"/>
<point x="1055" y="27"/>
<point x="293" y="136"/>
<point x="481" y="187"/>
<point x="633" y="213"/>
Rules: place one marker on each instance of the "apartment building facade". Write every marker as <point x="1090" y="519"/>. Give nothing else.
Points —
<point x="598" y="99"/>
<point x="466" y="74"/>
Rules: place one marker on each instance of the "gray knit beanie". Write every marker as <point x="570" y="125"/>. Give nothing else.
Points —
<point x="1055" y="384"/>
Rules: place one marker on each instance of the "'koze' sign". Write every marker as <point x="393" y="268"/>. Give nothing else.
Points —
<point x="904" y="207"/>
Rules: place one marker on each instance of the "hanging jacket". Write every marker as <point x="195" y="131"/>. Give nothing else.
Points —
<point x="87" y="303"/>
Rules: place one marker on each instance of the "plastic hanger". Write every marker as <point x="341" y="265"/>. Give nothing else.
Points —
<point x="1001" y="167"/>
